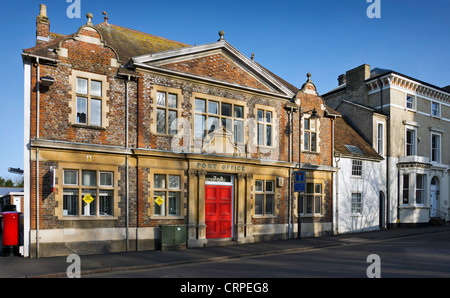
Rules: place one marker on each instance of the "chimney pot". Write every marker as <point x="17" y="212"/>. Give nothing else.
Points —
<point x="43" y="10"/>
<point x="341" y="79"/>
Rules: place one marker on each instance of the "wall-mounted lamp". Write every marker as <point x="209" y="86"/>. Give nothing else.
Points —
<point x="47" y="81"/>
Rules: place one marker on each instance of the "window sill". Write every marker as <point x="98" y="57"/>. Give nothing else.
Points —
<point x="310" y="152"/>
<point x="77" y="125"/>
<point x="311" y="215"/>
<point x="159" y="134"/>
<point x="89" y="217"/>
<point x="262" y="147"/>
<point x="263" y="216"/>
<point x="166" y="217"/>
<point x="415" y="207"/>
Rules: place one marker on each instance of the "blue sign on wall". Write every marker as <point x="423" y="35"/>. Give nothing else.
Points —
<point x="299" y="181"/>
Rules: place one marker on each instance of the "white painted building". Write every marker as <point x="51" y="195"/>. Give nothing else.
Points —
<point x="359" y="182"/>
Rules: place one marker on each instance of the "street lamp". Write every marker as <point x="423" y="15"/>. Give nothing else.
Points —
<point x="15" y="171"/>
<point x="314" y="115"/>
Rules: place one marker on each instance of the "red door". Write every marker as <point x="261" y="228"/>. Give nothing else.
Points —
<point x="218" y="211"/>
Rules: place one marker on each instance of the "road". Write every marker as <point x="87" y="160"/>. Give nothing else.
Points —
<point x="418" y="256"/>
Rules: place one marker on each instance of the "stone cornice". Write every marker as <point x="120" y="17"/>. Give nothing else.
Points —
<point x="393" y="80"/>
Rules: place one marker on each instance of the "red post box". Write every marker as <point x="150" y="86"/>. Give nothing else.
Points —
<point x="10" y="240"/>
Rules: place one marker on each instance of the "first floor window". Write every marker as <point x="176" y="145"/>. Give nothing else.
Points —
<point x="264" y="197"/>
<point x="356" y="203"/>
<point x="380" y="138"/>
<point x="167" y="195"/>
<point x="435" y="147"/>
<point x="410" y="101"/>
<point x="357" y="168"/>
<point x="82" y="110"/>
<point x="435" y="109"/>
<point x="264" y="123"/>
<point x="310" y="202"/>
<point x="166" y="113"/>
<point x="211" y="115"/>
<point x="88" y="191"/>
<point x="309" y="135"/>
<point x="410" y="141"/>
<point x="89" y="101"/>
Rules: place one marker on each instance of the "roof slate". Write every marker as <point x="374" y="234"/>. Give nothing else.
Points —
<point x="127" y="43"/>
<point x="131" y="43"/>
<point x="346" y="134"/>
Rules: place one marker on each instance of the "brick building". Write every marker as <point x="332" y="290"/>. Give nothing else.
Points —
<point x="126" y="131"/>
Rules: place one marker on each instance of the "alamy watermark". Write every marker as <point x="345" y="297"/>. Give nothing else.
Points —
<point x="74" y="9"/>
<point x="374" y="269"/>
<point x="374" y="9"/>
<point x="74" y="269"/>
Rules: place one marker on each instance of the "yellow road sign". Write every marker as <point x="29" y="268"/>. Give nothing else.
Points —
<point x="159" y="200"/>
<point x="88" y="199"/>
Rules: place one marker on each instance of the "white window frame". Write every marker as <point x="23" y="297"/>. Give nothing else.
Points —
<point x="405" y="188"/>
<point x="307" y="138"/>
<point x="357" y="168"/>
<point x="356" y="203"/>
<point x="411" y="128"/>
<point x="439" y="148"/>
<point x="422" y="190"/>
<point x="170" y="128"/>
<point x="413" y="102"/>
<point x="438" y="114"/>
<point x="262" y="139"/>
<point x="380" y="138"/>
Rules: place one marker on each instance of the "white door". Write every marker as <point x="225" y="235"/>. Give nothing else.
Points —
<point x="433" y="201"/>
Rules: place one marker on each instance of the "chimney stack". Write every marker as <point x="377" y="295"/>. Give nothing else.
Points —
<point x="42" y="26"/>
<point x="341" y="79"/>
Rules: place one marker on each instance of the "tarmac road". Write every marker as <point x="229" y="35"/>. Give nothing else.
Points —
<point x="198" y="257"/>
<point x="413" y="256"/>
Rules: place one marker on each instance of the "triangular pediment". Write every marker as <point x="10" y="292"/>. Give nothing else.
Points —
<point x="218" y="63"/>
<point x="220" y="141"/>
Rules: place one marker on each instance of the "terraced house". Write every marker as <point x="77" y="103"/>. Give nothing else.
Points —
<point x="406" y="121"/>
<point x="126" y="132"/>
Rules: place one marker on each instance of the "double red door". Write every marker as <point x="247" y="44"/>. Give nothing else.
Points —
<point x="218" y="214"/>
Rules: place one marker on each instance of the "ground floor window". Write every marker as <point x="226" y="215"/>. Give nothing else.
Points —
<point x="420" y="189"/>
<point x="310" y="203"/>
<point x="264" y="197"/>
<point x="414" y="188"/>
<point x="166" y="195"/>
<point x="356" y="203"/>
<point x="89" y="192"/>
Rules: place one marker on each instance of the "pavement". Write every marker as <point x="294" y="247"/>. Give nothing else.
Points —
<point x="54" y="267"/>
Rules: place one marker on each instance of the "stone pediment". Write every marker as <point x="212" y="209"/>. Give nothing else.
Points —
<point x="220" y="141"/>
<point x="218" y="62"/>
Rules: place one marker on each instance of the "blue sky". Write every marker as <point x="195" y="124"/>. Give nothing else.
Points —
<point x="291" y="38"/>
